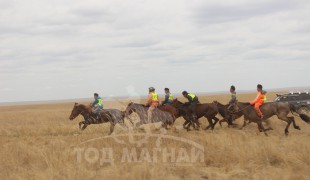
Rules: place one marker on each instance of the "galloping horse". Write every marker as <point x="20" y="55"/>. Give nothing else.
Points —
<point x="113" y="116"/>
<point x="226" y="114"/>
<point x="208" y="110"/>
<point x="167" y="118"/>
<point x="279" y="109"/>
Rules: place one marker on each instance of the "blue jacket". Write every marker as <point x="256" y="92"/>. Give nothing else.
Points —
<point x="98" y="101"/>
<point x="167" y="100"/>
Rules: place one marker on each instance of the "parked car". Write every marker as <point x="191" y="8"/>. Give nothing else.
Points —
<point x="301" y="100"/>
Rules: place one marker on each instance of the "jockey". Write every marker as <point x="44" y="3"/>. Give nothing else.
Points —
<point x="168" y="97"/>
<point x="97" y="105"/>
<point x="192" y="101"/>
<point x="153" y="102"/>
<point x="259" y="100"/>
<point x="233" y="99"/>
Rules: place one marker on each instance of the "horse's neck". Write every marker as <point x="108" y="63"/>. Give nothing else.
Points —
<point x="243" y="105"/>
<point x="85" y="113"/>
<point x="85" y="110"/>
<point x="139" y="109"/>
<point x="222" y="105"/>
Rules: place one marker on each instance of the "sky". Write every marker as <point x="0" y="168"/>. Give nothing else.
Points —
<point x="67" y="49"/>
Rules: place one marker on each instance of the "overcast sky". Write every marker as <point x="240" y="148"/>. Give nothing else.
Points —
<point x="64" y="49"/>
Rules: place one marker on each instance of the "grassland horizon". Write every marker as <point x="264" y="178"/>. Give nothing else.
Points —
<point x="38" y="141"/>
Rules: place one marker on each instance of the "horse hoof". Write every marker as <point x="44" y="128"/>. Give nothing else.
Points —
<point x="286" y="133"/>
<point x="298" y="128"/>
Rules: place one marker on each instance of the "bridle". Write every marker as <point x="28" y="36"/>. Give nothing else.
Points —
<point x="234" y="112"/>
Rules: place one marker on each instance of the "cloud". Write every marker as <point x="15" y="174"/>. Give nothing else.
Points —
<point x="224" y="12"/>
<point x="70" y="49"/>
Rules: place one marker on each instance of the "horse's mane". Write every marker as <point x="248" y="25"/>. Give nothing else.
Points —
<point x="244" y="103"/>
<point x="220" y="104"/>
<point x="136" y="104"/>
<point x="83" y="106"/>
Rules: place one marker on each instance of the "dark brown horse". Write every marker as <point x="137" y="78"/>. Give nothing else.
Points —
<point x="280" y="109"/>
<point x="207" y="110"/>
<point x="226" y="114"/>
<point x="186" y="113"/>
<point x="113" y="116"/>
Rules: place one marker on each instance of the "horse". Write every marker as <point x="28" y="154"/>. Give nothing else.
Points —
<point x="113" y="116"/>
<point x="160" y="114"/>
<point x="186" y="113"/>
<point x="226" y="114"/>
<point x="280" y="109"/>
<point x="208" y="110"/>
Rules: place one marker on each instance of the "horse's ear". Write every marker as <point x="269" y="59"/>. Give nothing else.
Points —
<point x="75" y="104"/>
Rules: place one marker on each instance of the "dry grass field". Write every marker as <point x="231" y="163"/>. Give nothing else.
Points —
<point x="39" y="141"/>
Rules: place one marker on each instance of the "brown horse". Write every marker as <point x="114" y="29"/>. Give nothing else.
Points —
<point x="280" y="109"/>
<point x="113" y="116"/>
<point x="226" y="114"/>
<point x="207" y="110"/>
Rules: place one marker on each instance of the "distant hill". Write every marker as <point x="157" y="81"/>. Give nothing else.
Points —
<point x="287" y="89"/>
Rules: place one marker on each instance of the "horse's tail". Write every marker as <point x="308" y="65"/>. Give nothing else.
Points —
<point x="304" y="117"/>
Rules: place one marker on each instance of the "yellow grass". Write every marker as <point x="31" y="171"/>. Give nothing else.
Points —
<point x="38" y="141"/>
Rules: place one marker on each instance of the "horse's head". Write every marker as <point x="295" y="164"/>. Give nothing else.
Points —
<point x="129" y="110"/>
<point x="176" y="103"/>
<point x="77" y="110"/>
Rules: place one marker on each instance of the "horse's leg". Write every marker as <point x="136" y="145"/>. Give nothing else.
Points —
<point x="294" y="123"/>
<point x="216" y="120"/>
<point x="123" y="124"/>
<point x="189" y="123"/>
<point x="221" y="121"/>
<point x="195" y="122"/>
<point x="286" y="119"/>
<point x="186" y="123"/>
<point x="196" y="125"/>
<point x="210" y="123"/>
<point x="80" y="124"/>
<point x="112" y="128"/>
<point x="245" y="123"/>
<point x="261" y="127"/>
<point x="165" y="125"/>
<point x="85" y="125"/>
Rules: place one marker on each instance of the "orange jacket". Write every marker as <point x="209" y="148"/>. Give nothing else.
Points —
<point x="259" y="99"/>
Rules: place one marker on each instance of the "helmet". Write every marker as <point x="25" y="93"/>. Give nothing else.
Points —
<point x="151" y="89"/>
<point x="184" y="92"/>
<point x="96" y="94"/>
<point x="259" y="86"/>
<point x="166" y="89"/>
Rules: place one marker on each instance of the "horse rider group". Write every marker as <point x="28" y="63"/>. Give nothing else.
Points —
<point x="153" y="101"/>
